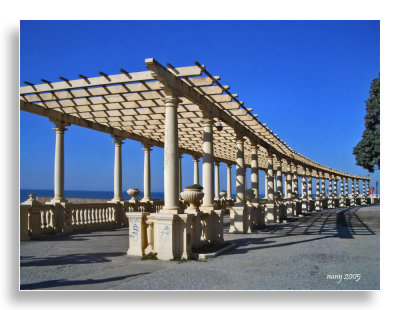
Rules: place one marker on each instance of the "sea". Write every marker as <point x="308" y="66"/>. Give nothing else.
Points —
<point x="23" y="194"/>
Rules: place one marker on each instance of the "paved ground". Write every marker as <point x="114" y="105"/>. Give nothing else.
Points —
<point x="301" y="254"/>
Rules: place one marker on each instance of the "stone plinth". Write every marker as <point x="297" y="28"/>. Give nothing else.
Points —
<point x="238" y="219"/>
<point x="269" y="211"/>
<point x="137" y="233"/>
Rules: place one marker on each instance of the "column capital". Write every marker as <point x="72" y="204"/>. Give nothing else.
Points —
<point x="216" y="163"/>
<point x="239" y="135"/>
<point x="147" y="146"/>
<point x="60" y="125"/>
<point x="207" y="117"/>
<point x="171" y="99"/>
<point x="196" y="158"/>
<point x="118" y="139"/>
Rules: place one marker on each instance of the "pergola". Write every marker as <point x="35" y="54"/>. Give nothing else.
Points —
<point x="183" y="110"/>
<point x="130" y="105"/>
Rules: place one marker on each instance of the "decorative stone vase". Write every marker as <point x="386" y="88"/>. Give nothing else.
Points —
<point x="133" y="192"/>
<point x="250" y="195"/>
<point x="31" y="197"/>
<point x="277" y="196"/>
<point x="223" y="194"/>
<point x="193" y="197"/>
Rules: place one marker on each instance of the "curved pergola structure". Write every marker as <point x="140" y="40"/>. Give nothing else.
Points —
<point x="130" y="105"/>
<point x="183" y="110"/>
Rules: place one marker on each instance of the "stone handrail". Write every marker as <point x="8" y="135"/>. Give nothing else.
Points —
<point x="82" y="216"/>
<point x="42" y="218"/>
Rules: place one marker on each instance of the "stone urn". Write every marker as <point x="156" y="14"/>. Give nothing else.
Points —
<point x="277" y="196"/>
<point x="193" y="197"/>
<point x="222" y="194"/>
<point x="133" y="192"/>
<point x="31" y="197"/>
<point x="250" y="195"/>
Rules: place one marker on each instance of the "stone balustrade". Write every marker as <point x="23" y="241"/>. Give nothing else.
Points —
<point x="38" y="218"/>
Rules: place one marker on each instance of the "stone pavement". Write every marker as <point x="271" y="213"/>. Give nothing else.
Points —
<point x="311" y="253"/>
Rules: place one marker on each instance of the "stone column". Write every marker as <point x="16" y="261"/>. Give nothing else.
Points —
<point x="317" y="194"/>
<point x="208" y="162"/>
<point x="147" y="174"/>
<point x="289" y="185"/>
<point x="196" y="179"/>
<point x="254" y="171"/>
<point x="238" y="213"/>
<point x="342" y="201"/>
<point x="346" y="186"/>
<point x="171" y="156"/>
<point x="180" y="172"/>
<point x="323" y="186"/>
<point x="269" y="191"/>
<point x="240" y="172"/>
<point x="304" y="200"/>
<point x="279" y="179"/>
<point x="295" y="182"/>
<point x="342" y="187"/>
<point x="117" y="169"/>
<point x="330" y="186"/>
<point x="228" y="181"/>
<point x="304" y="186"/>
<point x="335" y="181"/>
<point x="258" y="215"/>
<point x="352" y="186"/>
<point x="59" y="162"/>
<point x="357" y="186"/>
<point x="217" y="189"/>
<point x="289" y="203"/>
<point x="309" y="187"/>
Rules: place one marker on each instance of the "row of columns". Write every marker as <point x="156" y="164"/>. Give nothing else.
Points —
<point x="173" y="171"/>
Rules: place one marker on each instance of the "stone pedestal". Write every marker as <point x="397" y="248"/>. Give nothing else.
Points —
<point x="212" y="221"/>
<point x="342" y="202"/>
<point x="289" y="208"/>
<point x="167" y="235"/>
<point x="317" y="204"/>
<point x="24" y="223"/>
<point x="269" y="210"/>
<point x="197" y="240"/>
<point x="137" y="233"/>
<point x="238" y="219"/>
<point x="30" y="218"/>
<point x="304" y="205"/>
<point x="62" y="216"/>
<point x="250" y="217"/>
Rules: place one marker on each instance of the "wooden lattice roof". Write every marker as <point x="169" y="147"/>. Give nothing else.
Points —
<point x="130" y="105"/>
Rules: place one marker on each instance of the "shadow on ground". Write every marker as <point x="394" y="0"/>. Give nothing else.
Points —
<point x="332" y="223"/>
<point x="63" y="282"/>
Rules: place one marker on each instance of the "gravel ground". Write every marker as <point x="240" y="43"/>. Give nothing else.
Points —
<point x="309" y="253"/>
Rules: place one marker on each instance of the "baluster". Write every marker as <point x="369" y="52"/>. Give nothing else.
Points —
<point x="51" y="220"/>
<point x="80" y="216"/>
<point x="92" y="215"/>
<point x="42" y="220"/>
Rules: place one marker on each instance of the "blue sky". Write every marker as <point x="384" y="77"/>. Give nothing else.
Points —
<point x="308" y="80"/>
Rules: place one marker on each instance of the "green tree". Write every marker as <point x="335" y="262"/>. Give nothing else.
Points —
<point x="367" y="151"/>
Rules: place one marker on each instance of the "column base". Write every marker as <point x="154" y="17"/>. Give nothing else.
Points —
<point x="56" y="200"/>
<point x="238" y="219"/>
<point x="270" y="213"/>
<point x="116" y="200"/>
